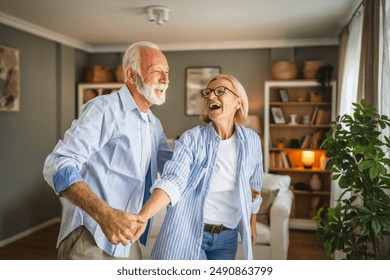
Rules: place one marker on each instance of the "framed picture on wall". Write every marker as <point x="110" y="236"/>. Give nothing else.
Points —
<point x="9" y="79"/>
<point x="196" y="80"/>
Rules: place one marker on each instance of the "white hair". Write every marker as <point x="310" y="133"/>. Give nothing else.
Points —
<point x="132" y="59"/>
<point x="241" y="115"/>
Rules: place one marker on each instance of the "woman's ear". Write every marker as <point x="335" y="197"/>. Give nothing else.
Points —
<point x="238" y="105"/>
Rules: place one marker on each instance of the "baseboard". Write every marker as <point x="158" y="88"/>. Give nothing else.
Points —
<point x="29" y="231"/>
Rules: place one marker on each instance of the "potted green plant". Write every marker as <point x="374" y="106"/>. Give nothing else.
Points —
<point x="280" y="142"/>
<point x="361" y="217"/>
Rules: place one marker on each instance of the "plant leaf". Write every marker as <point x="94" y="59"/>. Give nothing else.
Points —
<point x="376" y="225"/>
<point x="365" y="164"/>
<point x="374" y="171"/>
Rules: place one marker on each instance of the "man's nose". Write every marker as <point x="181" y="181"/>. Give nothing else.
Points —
<point x="164" y="78"/>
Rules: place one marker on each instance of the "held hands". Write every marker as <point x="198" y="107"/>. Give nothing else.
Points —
<point x="122" y="227"/>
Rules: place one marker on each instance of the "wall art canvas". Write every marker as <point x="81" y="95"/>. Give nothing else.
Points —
<point x="196" y="80"/>
<point x="9" y="79"/>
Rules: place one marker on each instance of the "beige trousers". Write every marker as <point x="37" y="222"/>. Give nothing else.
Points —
<point x="80" y="245"/>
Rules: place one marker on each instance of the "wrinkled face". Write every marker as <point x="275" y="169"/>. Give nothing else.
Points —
<point x="153" y="81"/>
<point x="222" y="107"/>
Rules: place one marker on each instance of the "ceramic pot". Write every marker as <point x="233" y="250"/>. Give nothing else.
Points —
<point x="315" y="182"/>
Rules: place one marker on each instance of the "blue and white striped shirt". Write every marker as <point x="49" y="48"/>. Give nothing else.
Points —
<point x="186" y="179"/>
<point x="105" y="148"/>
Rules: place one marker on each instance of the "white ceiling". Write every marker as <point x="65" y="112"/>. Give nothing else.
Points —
<point x="107" y="25"/>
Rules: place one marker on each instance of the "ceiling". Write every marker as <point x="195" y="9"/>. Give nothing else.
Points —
<point x="107" y="25"/>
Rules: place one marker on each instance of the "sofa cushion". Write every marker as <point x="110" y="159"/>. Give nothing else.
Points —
<point x="268" y="196"/>
<point x="275" y="181"/>
<point x="263" y="234"/>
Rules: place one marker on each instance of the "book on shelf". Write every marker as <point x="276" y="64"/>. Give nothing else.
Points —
<point x="306" y="141"/>
<point x="286" y="160"/>
<point x="316" y="139"/>
<point x="314" y="115"/>
<point x="279" y="160"/>
<point x="272" y="160"/>
<point x="322" y="117"/>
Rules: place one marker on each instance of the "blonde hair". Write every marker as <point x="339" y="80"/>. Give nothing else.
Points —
<point x="241" y="115"/>
<point x="132" y="59"/>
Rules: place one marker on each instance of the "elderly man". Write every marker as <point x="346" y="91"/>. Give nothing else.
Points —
<point x="106" y="163"/>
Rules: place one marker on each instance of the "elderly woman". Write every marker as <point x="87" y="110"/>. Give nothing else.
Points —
<point x="209" y="182"/>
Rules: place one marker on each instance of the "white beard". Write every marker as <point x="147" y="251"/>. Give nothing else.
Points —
<point x="149" y="91"/>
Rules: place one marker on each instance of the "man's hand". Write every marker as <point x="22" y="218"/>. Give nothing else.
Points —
<point x="120" y="227"/>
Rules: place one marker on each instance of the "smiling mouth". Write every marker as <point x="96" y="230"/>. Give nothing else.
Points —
<point x="159" y="91"/>
<point x="214" y="106"/>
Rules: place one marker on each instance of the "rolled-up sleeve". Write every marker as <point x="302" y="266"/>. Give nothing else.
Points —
<point x="86" y="136"/>
<point x="176" y="173"/>
<point x="66" y="177"/>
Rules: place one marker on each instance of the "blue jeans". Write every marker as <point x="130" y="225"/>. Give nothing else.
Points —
<point x="222" y="246"/>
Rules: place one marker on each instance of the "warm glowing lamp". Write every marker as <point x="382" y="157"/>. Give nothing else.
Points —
<point x="307" y="158"/>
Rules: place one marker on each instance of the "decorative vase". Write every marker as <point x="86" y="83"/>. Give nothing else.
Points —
<point x="293" y="119"/>
<point x="315" y="182"/>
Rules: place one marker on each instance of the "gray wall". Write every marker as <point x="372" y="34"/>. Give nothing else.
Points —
<point x="49" y="76"/>
<point x="251" y="67"/>
<point x="28" y="136"/>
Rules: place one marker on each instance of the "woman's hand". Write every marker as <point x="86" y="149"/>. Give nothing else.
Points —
<point x="253" y="229"/>
<point x="255" y="194"/>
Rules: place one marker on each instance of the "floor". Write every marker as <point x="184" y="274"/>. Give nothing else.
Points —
<point x="41" y="246"/>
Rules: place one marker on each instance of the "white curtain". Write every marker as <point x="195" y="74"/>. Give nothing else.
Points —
<point x="384" y="86"/>
<point x="350" y="78"/>
<point x="384" y="77"/>
<point x="349" y="83"/>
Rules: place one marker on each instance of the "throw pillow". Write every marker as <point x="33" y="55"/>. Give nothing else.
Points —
<point x="268" y="197"/>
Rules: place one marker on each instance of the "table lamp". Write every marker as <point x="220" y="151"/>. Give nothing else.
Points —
<point x="307" y="158"/>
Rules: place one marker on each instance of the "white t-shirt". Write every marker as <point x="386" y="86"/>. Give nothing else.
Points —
<point x="146" y="141"/>
<point x="222" y="203"/>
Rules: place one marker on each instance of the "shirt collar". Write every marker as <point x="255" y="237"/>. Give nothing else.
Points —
<point x="128" y="103"/>
<point x="127" y="99"/>
<point x="211" y="134"/>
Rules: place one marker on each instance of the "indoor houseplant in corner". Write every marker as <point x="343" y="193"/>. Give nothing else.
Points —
<point x="361" y="217"/>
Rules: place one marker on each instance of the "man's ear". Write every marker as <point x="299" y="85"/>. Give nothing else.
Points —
<point x="130" y="75"/>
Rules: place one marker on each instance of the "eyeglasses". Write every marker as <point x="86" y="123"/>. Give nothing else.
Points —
<point x="218" y="91"/>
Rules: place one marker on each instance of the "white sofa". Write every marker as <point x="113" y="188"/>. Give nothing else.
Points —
<point x="272" y="240"/>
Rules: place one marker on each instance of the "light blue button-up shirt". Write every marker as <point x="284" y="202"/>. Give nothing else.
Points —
<point x="186" y="179"/>
<point x="105" y="148"/>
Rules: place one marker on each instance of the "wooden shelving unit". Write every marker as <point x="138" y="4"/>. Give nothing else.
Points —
<point x="87" y="91"/>
<point x="299" y="103"/>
